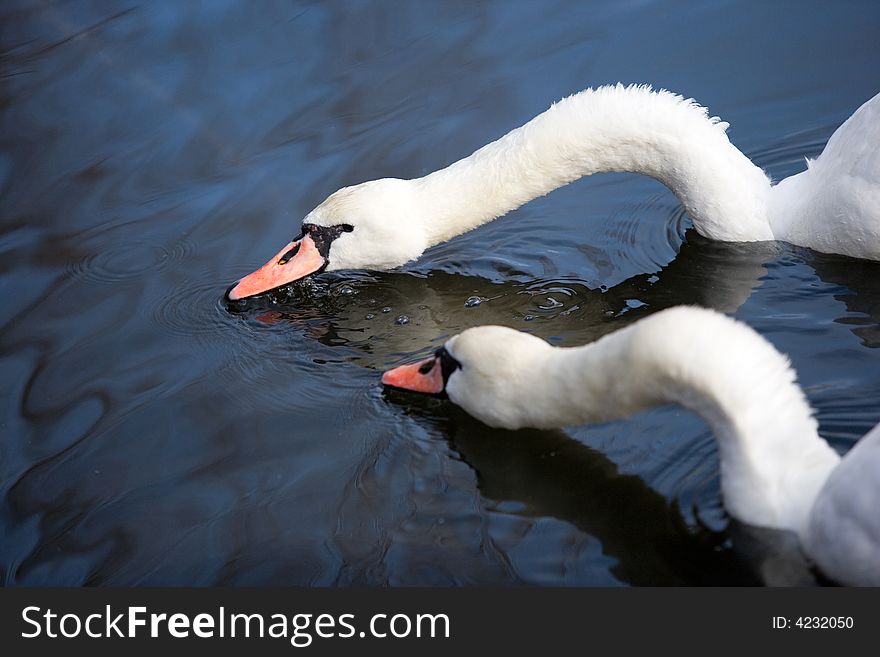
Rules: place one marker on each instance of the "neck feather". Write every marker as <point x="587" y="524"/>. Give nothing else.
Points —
<point x="773" y="462"/>
<point x="613" y="128"/>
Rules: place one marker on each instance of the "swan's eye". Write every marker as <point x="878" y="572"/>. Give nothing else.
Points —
<point x="346" y="228"/>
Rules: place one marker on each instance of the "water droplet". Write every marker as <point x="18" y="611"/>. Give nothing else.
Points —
<point x="369" y="316"/>
<point x="551" y="304"/>
<point x="401" y="320"/>
<point x="386" y="309"/>
<point x="346" y="290"/>
<point x="528" y="318"/>
<point x="473" y="302"/>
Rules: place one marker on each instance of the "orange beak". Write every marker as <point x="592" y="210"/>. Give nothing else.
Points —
<point x="425" y="376"/>
<point x="295" y="261"/>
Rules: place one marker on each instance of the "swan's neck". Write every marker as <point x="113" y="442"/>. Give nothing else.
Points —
<point x="616" y="128"/>
<point x="773" y="462"/>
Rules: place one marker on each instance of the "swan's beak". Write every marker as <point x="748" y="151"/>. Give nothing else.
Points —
<point x="426" y="376"/>
<point x="296" y="260"/>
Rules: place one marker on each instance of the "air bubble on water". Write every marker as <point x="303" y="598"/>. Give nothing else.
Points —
<point x="369" y="316"/>
<point x="386" y="309"/>
<point x="473" y="302"/>
<point x="401" y="320"/>
<point x="653" y="279"/>
<point x="528" y="318"/>
<point x="346" y="290"/>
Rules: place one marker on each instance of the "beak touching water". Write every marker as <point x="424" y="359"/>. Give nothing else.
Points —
<point x="425" y="376"/>
<point x="295" y="261"/>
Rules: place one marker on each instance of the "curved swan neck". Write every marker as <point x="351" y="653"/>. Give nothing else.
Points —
<point x="773" y="462"/>
<point x="613" y="128"/>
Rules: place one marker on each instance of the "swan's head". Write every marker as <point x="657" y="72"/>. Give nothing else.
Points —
<point x="372" y="225"/>
<point x="492" y="372"/>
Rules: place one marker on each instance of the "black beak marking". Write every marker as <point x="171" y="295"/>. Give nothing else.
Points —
<point x="448" y="364"/>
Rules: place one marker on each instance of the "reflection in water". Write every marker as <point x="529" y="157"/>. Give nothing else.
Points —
<point x="550" y="474"/>
<point x="859" y="291"/>
<point x="360" y="310"/>
<point x="150" y="154"/>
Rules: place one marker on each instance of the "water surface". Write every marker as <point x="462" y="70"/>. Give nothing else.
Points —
<point x="150" y="154"/>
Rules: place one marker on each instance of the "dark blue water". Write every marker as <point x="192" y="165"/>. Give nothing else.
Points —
<point x="151" y="154"/>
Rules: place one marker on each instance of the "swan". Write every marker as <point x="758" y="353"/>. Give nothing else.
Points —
<point x="833" y="206"/>
<point x="776" y="471"/>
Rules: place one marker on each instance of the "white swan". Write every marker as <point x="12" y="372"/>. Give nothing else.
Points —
<point x="833" y="206"/>
<point x="776" y="471"/>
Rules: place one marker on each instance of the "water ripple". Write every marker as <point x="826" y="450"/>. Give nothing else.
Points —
<point x="192" y="309"/>
<point x="121" y="261"/>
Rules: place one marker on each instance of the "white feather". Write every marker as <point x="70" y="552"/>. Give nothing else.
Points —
<point x="833" y="206"/>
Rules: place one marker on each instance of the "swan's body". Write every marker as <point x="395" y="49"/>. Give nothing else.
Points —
<point x="833" y="206"/>
<point x="776" y="471"/>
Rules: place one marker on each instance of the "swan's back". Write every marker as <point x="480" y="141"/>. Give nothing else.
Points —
<point x="854" y="148"/>
<point x="834" y="206"/>
<point x="844" y="532"/>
